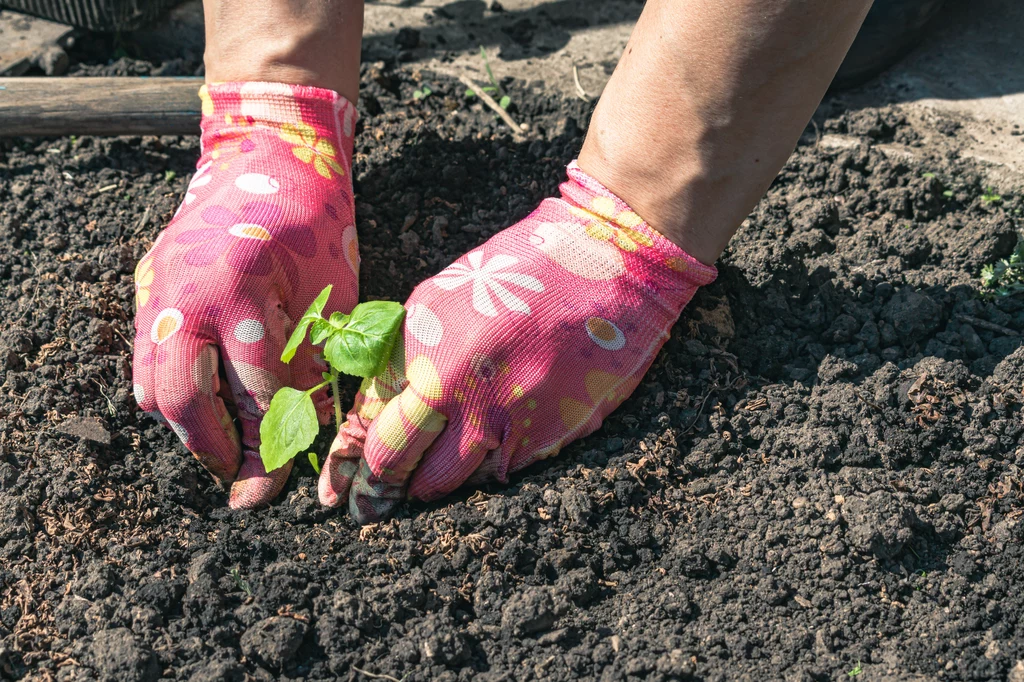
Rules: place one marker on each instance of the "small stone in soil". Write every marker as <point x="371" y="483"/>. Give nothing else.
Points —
<point x="273" y="641"/>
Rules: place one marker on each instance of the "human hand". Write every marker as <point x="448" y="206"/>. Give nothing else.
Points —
<point x="266" y="224"/>
<point x="519" y="347"/>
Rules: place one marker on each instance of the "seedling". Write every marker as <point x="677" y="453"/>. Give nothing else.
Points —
<point x="928" y="175"/>
<point x="169" y="175"/>
<point x="240" y="582"/>
<point x="857" y="670"/>
<point x="492" y="89"/>
<point x="423" y="93"/>
<point x="990" y="197"/>
<point x="1005" y="277"/>
<point x="359" y="344"/>
<point x="314" y="461"/>
<point x="948" y="193"/>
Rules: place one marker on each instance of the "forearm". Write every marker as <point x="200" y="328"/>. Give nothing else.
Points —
<point x="706" y="104"/>
<point x="304" y="42"/>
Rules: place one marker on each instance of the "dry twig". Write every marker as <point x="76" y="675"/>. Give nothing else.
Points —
<point x="990" y="326"/>
<point x="517" y="132"/>
<point x="380" y="676"/>
<point x="580" y="92"/>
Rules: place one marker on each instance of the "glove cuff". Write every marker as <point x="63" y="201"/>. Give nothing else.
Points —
<point x="305" y="116"/>
<point x="663" y="271"/>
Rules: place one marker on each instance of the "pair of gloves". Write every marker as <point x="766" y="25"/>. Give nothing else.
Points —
<point x="517" y="348"/>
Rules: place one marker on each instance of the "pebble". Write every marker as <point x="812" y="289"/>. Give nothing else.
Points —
<point x="273" y="641"/>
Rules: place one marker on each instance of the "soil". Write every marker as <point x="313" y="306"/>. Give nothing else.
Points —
<point x="820" y="476"/>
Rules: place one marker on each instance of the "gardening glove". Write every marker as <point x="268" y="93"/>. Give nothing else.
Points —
<point x="266" y="224"/>
<point x="519" y="347"/>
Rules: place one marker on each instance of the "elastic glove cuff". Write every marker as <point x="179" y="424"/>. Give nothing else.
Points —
<point x="665" y="266"/>
<point x="314" y="118"/>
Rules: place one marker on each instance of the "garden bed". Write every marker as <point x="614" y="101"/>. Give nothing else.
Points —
<point x="820" y="476"/>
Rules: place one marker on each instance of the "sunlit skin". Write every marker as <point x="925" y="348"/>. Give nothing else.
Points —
<point x="706" y="104"/>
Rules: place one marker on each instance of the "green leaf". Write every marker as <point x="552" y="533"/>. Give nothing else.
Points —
<point x="504" y="101"/>
<point x="363" y="346"/>
<point x="339" y="320"/>
<point x="470" y="93"/>
<point x="988" y="276"/>
<point x="311" y="315"/>
<point x="948" y="193"/>
<point x="290" y="425"/>
<point x="314" y="461"/>
<point x="487" y="65"/>
<point x="321" y="330"/>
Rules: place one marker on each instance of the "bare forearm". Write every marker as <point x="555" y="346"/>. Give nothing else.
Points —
<point x="706" y="104"/>
<point x="305" y="42"/>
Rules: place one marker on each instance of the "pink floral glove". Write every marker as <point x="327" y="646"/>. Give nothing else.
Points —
<point x="519" y="347"/>
<point x="266" y="224"/>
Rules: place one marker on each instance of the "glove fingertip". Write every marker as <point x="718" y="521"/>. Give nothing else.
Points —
<point x="336" y="480"/>
<point x="371" y="499"/>
<point x="341" y="465"/>
<point x="254" y="487"/>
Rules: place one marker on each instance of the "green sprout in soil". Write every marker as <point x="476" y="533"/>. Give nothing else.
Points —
<point x="928" y="176"/>
<point x="492" y="89"/>
<point x="857" y="670"/>
<point x="314" y="461"/>
<point x="423" y="93"/>
<point x="1005" y="276"/>
<point x="948" y="193"/>
<point x="240" y="582"/>
<point x="990" y="196"/>
<point x="169" y="175"/>
<point x="359" y="344"/>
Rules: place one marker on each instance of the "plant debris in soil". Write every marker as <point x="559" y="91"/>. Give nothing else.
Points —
<point x="820" y="474"/>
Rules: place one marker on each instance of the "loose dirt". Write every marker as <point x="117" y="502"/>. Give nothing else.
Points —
<point x="820" y="475"/>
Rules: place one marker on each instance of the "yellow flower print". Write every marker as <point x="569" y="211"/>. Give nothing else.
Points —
<point x="143" y="280"/>
<point x="605" y="224"/>
<point x="312" y="149"/>
<point x="204" y="97"/>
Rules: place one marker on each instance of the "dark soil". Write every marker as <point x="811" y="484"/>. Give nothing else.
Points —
<point x="820" y="474"/>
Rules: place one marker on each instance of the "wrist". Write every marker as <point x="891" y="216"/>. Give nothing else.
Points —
<point x="259" y="42"/>
<point x="661" y="264"/>
<point x="666" y="195"/>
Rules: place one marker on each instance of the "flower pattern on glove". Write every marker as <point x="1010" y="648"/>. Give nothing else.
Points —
<point x="521" y="346"/>
<point x="263" y="228"/>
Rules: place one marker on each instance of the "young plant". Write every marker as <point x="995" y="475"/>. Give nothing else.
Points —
<point x="1005" y="276"/>
<point x="359" y="344"/>
<point x="857" y="670"/>
<point x="990" y="196"/>
<point x="240" y="582"/>
<point x="492" y="89"/>
<point x="423" y="93"/>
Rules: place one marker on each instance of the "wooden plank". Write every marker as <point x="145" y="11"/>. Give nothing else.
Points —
<point x="99" y="106"/>
<point x="24" y="39"/>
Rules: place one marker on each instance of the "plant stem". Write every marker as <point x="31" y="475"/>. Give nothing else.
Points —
<point x="337" y="400"/>
<point x="321" y="385"/>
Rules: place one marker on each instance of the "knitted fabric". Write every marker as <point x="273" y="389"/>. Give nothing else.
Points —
<point x="519" y="347"/>
<point x="266" y="224"/>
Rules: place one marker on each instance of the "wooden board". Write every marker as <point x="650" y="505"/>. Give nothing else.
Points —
<point x="99" y="106"/>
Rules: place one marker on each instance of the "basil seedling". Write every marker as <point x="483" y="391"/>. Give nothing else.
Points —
<point x="359" y="343"/>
